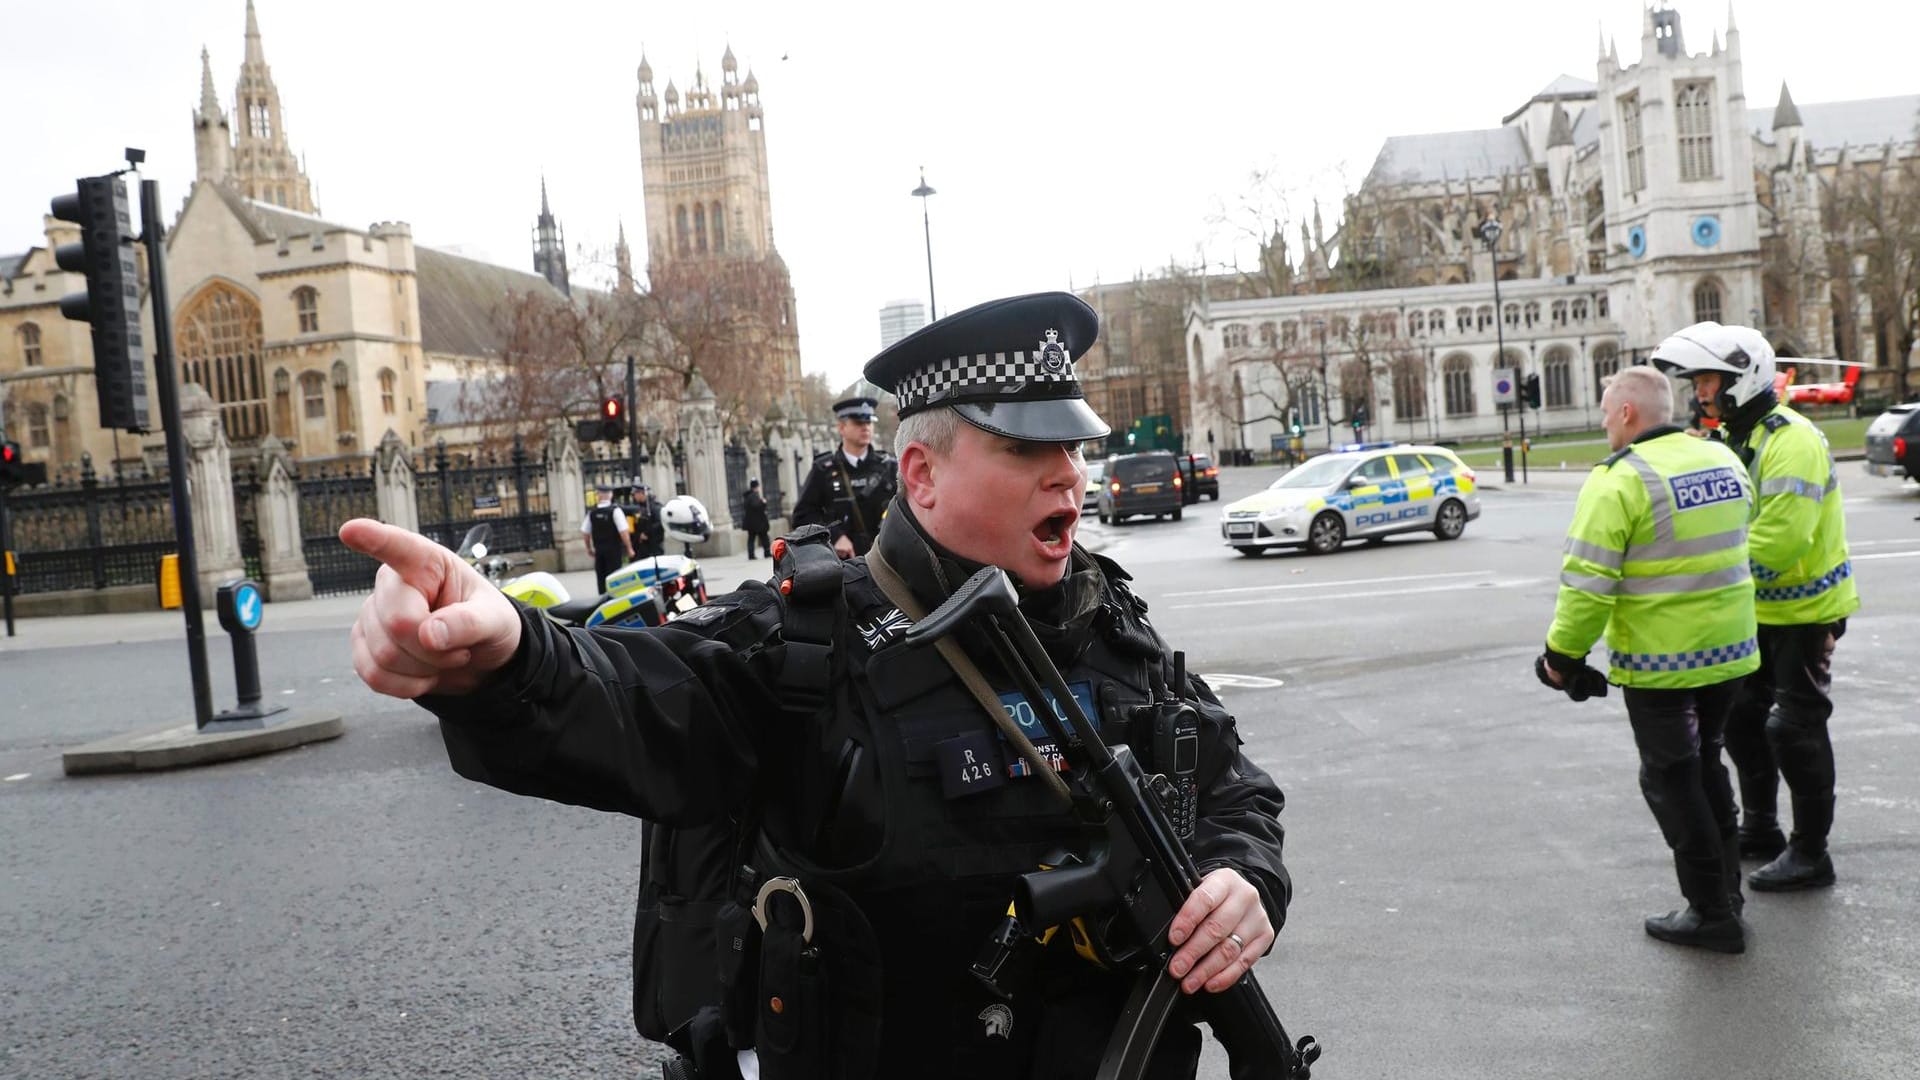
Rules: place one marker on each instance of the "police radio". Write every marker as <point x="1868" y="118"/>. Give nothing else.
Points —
<point x="1173" y="728"/>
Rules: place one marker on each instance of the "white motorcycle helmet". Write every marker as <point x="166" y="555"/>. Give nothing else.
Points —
<point x="686" y="520"/>
<point x="1740" y="354"/>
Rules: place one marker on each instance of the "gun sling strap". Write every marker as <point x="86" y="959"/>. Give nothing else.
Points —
<point x="890" y="582"/>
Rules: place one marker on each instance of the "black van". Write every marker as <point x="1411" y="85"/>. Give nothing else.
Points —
<point x="1141" y="484"/>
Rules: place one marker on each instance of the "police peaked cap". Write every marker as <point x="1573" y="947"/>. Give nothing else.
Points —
<point x="855" y="408"/>
<point x="1005" y="366"/>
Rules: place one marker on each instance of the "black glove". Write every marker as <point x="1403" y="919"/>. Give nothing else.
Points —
<point x="1578" y="680"/>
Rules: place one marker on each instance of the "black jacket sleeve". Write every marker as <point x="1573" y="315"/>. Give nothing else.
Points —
<point x="668" y="723"/>
<point x="1239" y="823"/>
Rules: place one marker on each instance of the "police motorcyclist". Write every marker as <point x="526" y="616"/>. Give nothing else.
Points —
<point x="1656" y="558"/>
<point x="608" y="538"/>
<point x="1803" y="593"/>
<point x="850" y="486"/>
<point x="907" y="867"/>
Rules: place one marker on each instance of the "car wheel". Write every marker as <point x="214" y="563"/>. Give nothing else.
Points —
<point x="1452" y="520"/>
<point x="1103" y="516"/>
<point x="1251" y="552"/>
<point x="1326" y="534"/>
<point x="1176" y="515"/>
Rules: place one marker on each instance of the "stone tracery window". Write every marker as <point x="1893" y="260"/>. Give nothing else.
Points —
<point x="1458" y="381"/>
<point x="1706" y="301"/>
<point x="30" y="344"/>
<point x="1693" y="123"/>
<point x="306" y="303"/>
<point x="386" y="391"/>
<point x="219" y="340"/>
<point x="313" y="395"/>
<point x="1636" y="161"/>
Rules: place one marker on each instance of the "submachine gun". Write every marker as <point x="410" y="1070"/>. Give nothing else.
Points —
<point x="1135" y="864"/>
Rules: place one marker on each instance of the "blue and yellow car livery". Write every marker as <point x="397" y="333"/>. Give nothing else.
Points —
<point x="1361" y="490"/>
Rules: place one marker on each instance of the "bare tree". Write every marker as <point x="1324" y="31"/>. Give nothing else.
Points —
<point x="558" y="358"/>
<point x="1871" y="210"/>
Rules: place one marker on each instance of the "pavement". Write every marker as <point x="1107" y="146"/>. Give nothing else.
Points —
<point x="1471" y="854"/>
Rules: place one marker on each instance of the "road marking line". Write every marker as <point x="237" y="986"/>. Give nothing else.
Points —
<point x="1881" y="543"/>
<point x="18" y="776"/>
<point x="1331" y="584"/>
<point x="1390" y="594"/>
<point x="1886" y="555"/>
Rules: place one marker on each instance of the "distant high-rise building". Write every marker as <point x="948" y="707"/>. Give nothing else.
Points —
<point x="900" y="318"/>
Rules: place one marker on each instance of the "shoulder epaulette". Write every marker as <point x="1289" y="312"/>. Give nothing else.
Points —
<point x="1609" y="461"/>
<point x="1774" y="421"/>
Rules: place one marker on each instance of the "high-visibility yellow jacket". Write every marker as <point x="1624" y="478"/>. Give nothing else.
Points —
<point x="1797" y="539"/>
<point x="1657" y="559"/>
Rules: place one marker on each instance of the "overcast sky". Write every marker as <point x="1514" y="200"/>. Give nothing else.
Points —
<point x="1066" y="142"/>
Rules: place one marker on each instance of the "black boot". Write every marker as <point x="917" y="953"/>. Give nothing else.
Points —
<point x="1760" y="841"/>
<point x="1793" y="871"/>
<point x="1719" y="932"/>
<point x="1730" y="861"/>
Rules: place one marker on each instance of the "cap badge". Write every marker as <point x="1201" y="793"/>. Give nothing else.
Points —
<point x="1053" y="355"/>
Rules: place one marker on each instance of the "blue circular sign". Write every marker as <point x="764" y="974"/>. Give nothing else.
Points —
<point x="247" y="606"/>
<point x="1503" y="386"/>
<point x="1637" y="241"/>
<point x="1706" y="231"/>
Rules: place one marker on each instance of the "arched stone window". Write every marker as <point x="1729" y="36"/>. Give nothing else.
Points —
<point x="1693" y="123"/>
<point x="1513" y="316"/>
<point x="1416" y="324"/>
<point x="1234" y="335"/>
<point x="1606" y="364"/>
<point x="1289" y="334"/>
<point x="386" y="391"/>
<point x="342" y="396"/>
<point x="1483" y="316"/>
<point x="313" y="395"/>
<point x="719" y="228"/>
<point x="1559" y="311"/>
<point x="1409" y="389"/>
<point x="1307" y="395"/>
<point x="680" y="228"/>
<point x="1579" y="309"/>
<point x="1556" y="379"/>
<point x="1457" y="379"/>
<point x="1532" y="313"/>
<point x="219" y="340"/>
<point x="1267" y="335"/>
<point x="306" y="302"/>
<point x="62" y="429"/>
<point x="30" y="345"/>
<point x="1437" y="321"/>
<point x="699" y="228"/>
<point x="39" y="434"/>
<point x="1706" y="301"/>
<point x="1462" y="319"/>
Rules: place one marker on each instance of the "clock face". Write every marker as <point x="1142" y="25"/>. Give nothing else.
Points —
<point x="1637" y="241"/>
<point x="1706" y="230"/>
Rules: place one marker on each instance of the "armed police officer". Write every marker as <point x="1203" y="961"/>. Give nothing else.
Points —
<point x="1803" y="593"/>
<point x="608" y="536"/>
<point x="892" y="820"/>
<point x="1657" y="559"/>
<point x="849" y="488"/>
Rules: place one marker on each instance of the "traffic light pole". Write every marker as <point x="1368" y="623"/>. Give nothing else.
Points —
<point x="633" y="439"/>
<point x="152" y="234"/>
<point x="6" y="558"/>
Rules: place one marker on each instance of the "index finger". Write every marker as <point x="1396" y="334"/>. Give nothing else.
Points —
<point x="419" y="561"/>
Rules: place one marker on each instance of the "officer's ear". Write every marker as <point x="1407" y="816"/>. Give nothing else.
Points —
<point x="919" y="468"/>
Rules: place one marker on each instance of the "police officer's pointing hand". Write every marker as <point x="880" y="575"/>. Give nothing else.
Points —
<point x="433" y="624"/>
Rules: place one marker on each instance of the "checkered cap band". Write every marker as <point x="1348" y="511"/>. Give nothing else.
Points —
<point x="1685" y="661"/>
<point x="987" y="377"/>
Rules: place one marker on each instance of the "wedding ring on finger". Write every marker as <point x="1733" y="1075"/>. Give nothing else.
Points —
<point x="1239" y="943"/>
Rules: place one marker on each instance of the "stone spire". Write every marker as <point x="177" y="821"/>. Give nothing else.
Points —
<point x="212" y="138"/>
<point x="550" y="246"/>
<point x="265" y="168"/>
<point x="623" y="261"/>
<point x="1560" y="129"/>
<point x="1786" y="113"/>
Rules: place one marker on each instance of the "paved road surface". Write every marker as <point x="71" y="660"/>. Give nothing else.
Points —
<point x="1471" y="852"/>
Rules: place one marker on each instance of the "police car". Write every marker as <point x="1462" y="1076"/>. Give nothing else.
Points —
<point x="1368" y="490"/>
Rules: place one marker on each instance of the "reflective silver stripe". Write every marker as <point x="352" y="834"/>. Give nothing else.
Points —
<point x="1684" y="583"/>
<point x="1682" y="549"/>
<point x="1656" y="495"/>
<point x="1594" y="553"/>
<point x="1793" y="485"/>
<point x="1590" y="583"/>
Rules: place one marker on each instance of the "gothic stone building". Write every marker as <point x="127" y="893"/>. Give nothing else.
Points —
<point x="1629" y="206"/>
<point x="320" y="334"/>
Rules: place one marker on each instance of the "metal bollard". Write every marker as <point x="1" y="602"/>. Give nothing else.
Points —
<point x="240" y="607"/>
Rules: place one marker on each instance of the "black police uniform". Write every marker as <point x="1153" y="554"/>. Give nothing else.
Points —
<point x="694" y="726"/>
<point x="649" y="531"/>
<point x="848" y="499"/>
<point x="609" y="550"/>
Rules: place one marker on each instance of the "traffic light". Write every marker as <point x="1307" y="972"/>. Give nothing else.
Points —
<point x="13" y="470"/>
<point x="1360" y="416"/>
<point x="613" y="419"/>
<point x="112" y="300"/>
<point x="1293" y="423"/>
<point x="1530" y="390"/>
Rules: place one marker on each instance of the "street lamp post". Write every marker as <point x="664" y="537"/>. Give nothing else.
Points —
<point x="926" y="226"/>
<point x="1490" y="232"/>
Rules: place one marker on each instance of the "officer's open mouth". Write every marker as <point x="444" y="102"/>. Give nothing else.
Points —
<point x="1054" y="530"/>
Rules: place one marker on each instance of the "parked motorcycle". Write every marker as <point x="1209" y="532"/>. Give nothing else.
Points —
<point x="645" y="592"/>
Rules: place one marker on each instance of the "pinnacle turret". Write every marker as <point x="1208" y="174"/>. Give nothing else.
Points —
<point x="1785" y="114"/>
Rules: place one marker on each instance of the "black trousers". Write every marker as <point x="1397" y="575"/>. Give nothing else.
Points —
<point x="1679" y="734"/>
<point x="604" y="563"/>
<point x="1779" y="728"/>
<point x="765" y="544"/>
